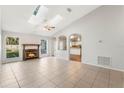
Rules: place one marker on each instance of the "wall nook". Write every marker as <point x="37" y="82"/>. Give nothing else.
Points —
<point x="62" y="45"/>
<point x="75" y="47"/>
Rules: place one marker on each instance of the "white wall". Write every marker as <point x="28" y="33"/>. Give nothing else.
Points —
<point x="105" y="24"/>
<point x="23" y="39"/>
<point x="0" y="39"/>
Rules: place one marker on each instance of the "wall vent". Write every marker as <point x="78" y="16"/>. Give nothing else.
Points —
<point x="104" y="60"/>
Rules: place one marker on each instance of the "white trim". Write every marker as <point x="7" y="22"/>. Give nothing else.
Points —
<point x="107" y="67"/>
<point x="112" y="68"/>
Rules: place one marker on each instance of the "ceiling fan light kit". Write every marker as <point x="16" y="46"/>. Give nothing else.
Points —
<point x="51" y="25"/>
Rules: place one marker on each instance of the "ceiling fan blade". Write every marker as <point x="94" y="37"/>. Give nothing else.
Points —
<point x="52" y="27"/>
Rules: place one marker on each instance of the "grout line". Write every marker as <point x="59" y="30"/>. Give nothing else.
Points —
<point x="52" y="82"/>
<point x="79" y="80"/>
<point x="94" y="79"/>
<point x="48" y="81"/>
<point x="109" y="79"/>
<point x="14" y="76"/>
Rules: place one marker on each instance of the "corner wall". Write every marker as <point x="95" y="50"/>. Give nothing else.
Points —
<point x="102" y="34"/>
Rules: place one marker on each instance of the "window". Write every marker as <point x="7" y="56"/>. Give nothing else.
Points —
<point x="43" y="46"/>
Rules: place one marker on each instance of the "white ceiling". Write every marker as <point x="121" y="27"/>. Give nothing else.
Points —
<point x="15" y="17"/>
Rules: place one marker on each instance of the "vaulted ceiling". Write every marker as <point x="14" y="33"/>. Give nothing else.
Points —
<point x="15" y="17"/>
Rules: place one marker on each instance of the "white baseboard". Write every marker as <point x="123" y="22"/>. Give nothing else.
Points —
<point x="112" y="68"/>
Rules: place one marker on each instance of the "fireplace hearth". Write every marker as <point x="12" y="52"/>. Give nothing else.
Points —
<point x="30" y="51"/>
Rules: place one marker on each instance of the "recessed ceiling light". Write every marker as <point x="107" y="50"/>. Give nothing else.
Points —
<point x="69" y="10"/>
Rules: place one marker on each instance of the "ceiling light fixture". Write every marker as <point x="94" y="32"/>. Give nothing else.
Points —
<point x="51" y="25"/>
<point x="48" y="28"/>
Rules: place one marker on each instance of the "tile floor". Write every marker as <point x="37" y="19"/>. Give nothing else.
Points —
<point x="51" y="72"/>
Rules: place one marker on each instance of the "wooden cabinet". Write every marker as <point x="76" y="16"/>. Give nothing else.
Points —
<point x="75" y="57"/>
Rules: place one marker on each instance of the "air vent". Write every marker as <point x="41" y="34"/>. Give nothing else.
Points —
<point x="104" y="60"/>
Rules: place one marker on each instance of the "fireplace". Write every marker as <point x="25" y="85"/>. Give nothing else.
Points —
<point x="30" y="51"/>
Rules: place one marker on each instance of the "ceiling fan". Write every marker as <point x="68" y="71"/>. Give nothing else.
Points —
<point x="51" y="24"/>
<point x="49" y="28"/>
